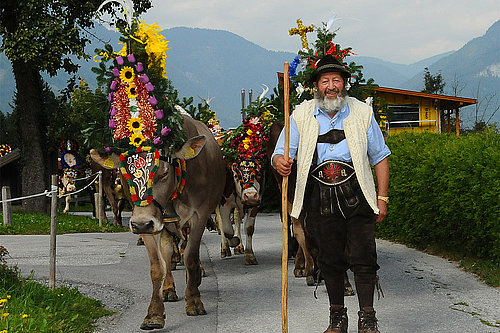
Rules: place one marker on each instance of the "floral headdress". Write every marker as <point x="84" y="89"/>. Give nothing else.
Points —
<point x="140" y="112"/>
<point x="248" y="141"/>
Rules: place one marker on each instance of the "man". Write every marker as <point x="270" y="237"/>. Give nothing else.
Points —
<point x="335" y="138"/>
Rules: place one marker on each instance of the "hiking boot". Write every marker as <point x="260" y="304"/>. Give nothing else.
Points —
<point x="338" y="320"/>
<point x="367" y="322"/>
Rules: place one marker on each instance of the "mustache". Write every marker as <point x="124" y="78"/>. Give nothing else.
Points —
<point x="334" y="90"/>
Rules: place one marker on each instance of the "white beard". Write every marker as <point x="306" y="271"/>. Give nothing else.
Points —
<point x="330" y="106"/>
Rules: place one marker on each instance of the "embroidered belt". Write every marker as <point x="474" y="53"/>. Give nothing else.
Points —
<point x="333" y="173"/>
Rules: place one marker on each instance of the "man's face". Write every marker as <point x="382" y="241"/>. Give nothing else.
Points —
<point x="330" y="85"/>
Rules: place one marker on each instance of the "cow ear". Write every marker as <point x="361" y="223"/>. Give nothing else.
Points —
<point x="191" y="148"/>
<point x="112" y="162"/>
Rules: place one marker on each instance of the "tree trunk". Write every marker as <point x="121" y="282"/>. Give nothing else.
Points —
<point x="33" y="178"/>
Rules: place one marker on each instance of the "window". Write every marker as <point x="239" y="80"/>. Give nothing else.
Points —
<point x="404" y="115"/>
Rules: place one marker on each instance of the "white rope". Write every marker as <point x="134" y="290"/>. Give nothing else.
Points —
<point x="83" y="188"/>
<point x="46" y="192"/>
<point x="86" y="177"/>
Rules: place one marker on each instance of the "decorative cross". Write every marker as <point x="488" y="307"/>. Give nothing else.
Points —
<point x="302" y="31"/>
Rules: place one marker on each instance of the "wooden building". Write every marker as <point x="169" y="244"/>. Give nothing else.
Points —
<point x="421" y="112"/>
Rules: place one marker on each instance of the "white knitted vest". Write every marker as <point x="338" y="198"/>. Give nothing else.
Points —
<point x="355" y="128"/>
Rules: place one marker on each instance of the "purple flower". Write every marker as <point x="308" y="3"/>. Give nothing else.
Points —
<point x="165" y="131"/>
<point x="139" y="67"/>
<point x="116" y="72"/>
<point x="113" y="111"/>
<point x="149" y="87"/>
<point x="119" y="60"/>
<point x="159" y="114"/>
<point x="157" y="140"/>
<point x="113" y="85"/>
<point x="112" y="123"/>
<point x="144" y="78"/>
<point x="152" y="100"/>
<point x="131" y="57"/>
<point x="107" y="149"/>
<point x="111" y="97"/>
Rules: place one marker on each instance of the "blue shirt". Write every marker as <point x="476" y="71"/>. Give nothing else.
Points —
<point x="377" y="149"/>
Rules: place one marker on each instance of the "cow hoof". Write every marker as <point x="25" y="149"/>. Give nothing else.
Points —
<point x="153" y="323"/>
<point x="348" y="291"/>
<point x="310" y="280"/>
<point x="195" y="310"/>
<point x="170" y="296"/>
<point x="299" y="272"/>
<point x="250" y="260"/>
<point x="239" y="249"/>
<point x="225" y="253"/>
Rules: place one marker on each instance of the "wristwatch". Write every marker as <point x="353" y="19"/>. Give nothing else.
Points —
<point x="386" y="199"/>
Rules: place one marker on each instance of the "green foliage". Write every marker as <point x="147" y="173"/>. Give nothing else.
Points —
<point x="27" y="306"/>
<point x="434" y="84"/>
<point x="445" y="190"/>
<point x="39" y="224"/>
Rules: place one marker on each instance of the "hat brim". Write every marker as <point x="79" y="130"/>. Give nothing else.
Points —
<point x="330" y="68"/>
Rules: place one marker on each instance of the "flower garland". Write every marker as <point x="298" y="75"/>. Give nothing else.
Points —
<point x="4" y="150"/>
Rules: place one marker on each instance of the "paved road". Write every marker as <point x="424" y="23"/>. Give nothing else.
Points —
<point x="423" y="293"/>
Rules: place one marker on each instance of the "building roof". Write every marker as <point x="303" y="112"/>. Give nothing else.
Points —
<point x="10" y="157"/>
<point x="445" y="102"/>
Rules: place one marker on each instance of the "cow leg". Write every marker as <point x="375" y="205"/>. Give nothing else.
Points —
<point x="67" y="201"/>
<point x="225" y="250"/>
<point x="298" y="270"/>
<point x="238" y="216"/>
<point x="300" y="236"/>
<point x="155" y="318"/>
<point x="194" y="306"/>
<point x="249" y="230"/>
<point x="113" y="204"/>
<point x="167" y="250"/>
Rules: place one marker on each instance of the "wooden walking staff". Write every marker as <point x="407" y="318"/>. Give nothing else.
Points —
<point x="284" y="208"/>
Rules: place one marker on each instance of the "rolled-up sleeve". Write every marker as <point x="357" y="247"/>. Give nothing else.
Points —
<point x="377" y="149"/>
<point x="294" y="141"/>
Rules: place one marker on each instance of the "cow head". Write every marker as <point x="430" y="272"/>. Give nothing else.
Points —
<point x="248" y="180"/>
<point x="149" y="181"/>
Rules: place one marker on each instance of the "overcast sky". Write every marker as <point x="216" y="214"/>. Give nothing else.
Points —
<point x="400" y="31"/>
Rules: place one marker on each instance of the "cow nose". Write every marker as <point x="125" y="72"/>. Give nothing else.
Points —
<point x="251" y="198"/>
<point x="142" y="227"/>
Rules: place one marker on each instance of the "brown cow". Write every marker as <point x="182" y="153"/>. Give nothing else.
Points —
<point x="243" y="194"/>
<point x="205" y="178"/>
<point x="305" y="259"/>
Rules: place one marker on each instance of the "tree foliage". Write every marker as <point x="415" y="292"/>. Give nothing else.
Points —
<point x="434" y="84"/>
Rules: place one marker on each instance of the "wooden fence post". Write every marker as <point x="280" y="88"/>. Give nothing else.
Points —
<point x="6" y="206"/>
<point x="53" y="232"/>
<point x="101" y="209"/>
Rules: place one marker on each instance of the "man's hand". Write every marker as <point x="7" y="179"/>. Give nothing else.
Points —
<point x="382" y="207"/>
<point x="281" y="165"/>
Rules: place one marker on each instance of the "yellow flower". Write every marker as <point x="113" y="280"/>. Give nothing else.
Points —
<point x="246" y="140"/>
<point x="5" y="314"/>
<point x="24" y="316"/>
<point x="132" y="91"/>
<point x="246" y="146"/>
<point x="3" y="300"/>
<point x="156" y="43"/>
<point x="4" y="331"/>
<point x="249" y="132"/>
<point x="127" y="74"/>
<point x="134" y="124"/>
<point x="137" y="139"/>
<point x="8" y="296"/>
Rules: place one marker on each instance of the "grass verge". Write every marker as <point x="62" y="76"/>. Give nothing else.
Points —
<point x="27" y="306"/>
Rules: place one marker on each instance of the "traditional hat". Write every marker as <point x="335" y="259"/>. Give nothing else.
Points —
<point x="329" y="64"/>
